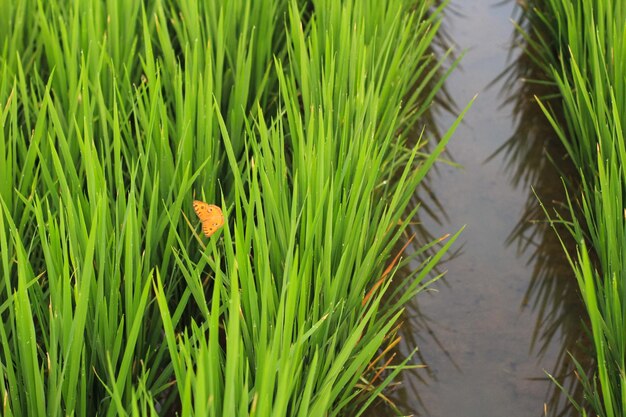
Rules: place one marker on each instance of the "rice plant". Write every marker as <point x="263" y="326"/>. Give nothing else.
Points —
<point x="585" y="52"/>
<point x="292" y="117"/>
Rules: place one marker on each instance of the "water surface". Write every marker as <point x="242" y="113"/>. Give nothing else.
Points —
<point x="507" y="310"/>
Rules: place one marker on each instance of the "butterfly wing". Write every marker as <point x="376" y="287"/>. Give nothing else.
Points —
<point x="201" y="209"/>
<point x="210" y="215"/>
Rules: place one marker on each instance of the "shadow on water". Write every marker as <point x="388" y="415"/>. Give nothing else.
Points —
<point x="535" y="164"/>
<point x="540" y="162"/>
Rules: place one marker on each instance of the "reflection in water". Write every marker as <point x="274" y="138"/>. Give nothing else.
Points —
<point x="532" y="159"/>
<point x="537" y="159"/>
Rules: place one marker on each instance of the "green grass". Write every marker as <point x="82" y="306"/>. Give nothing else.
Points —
<point x="292" y="116"/>
<point x="585" y="52"/>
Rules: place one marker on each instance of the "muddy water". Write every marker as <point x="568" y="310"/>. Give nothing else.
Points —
<point x="507" y="310"/>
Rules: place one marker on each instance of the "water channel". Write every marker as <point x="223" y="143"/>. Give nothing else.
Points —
<point x="507" y="310"/>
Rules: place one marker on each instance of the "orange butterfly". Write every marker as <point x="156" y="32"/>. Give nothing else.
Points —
<point x="210" y="215"/>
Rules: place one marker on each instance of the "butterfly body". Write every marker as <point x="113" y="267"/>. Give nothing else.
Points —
<point x="210" y="215"/>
